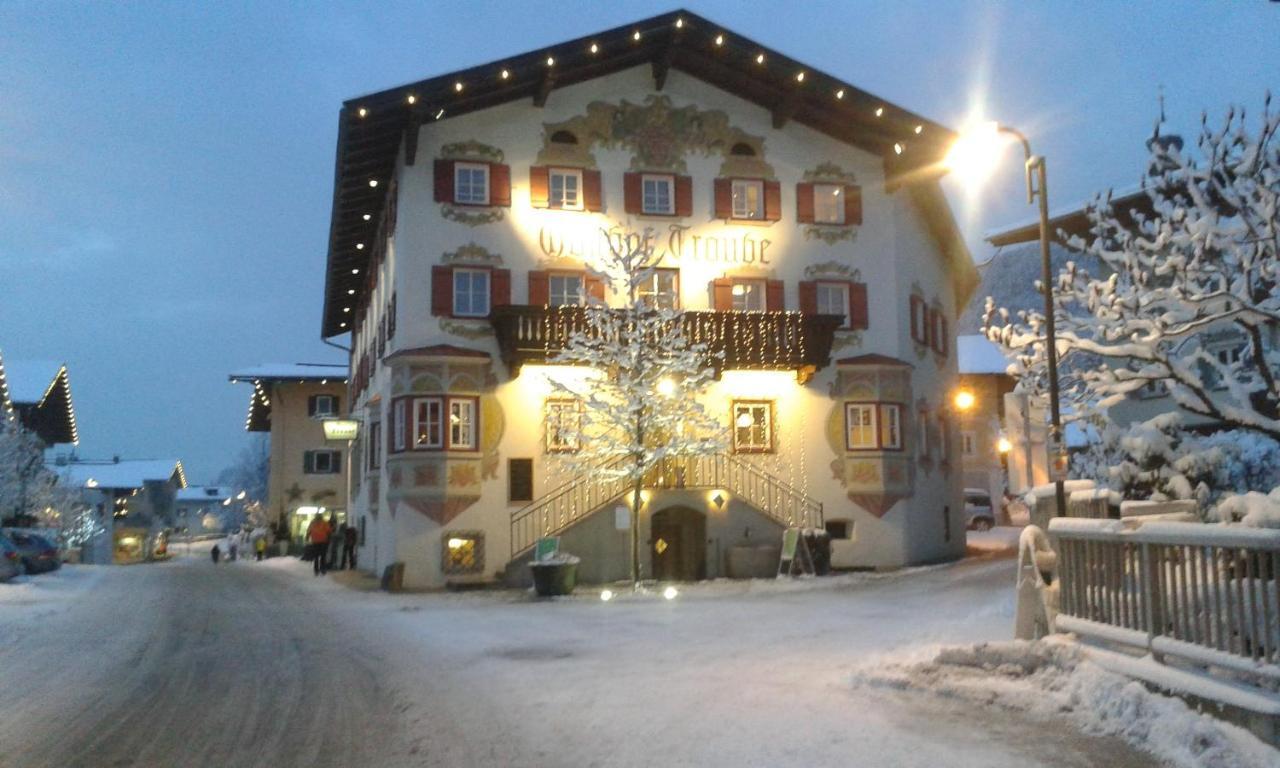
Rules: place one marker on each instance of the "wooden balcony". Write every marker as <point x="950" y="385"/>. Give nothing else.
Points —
<point x="761" y="341"/>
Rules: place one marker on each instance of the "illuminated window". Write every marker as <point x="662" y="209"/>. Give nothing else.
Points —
<point x="471" y="292"/>
<point x="463" y="552"/>
<point x="833" y="299"/>
<point x="658" y="195"/>
<point x="429" y="429"/>
<point x="748" y="199"/>
<point x="828" y="203"/>
<point x="565" y="189"/>
<point x="662" y="289"/>
<point x="427" y="422"/>
<point x="462" y="424"/>
<point x="564" y="421"/>
<point x="471" y="183"/>
<point x="752" y="426"/>
<point x="564" y="290"/>
<point x="873" y="426"/>
<point x="748" y="295"/>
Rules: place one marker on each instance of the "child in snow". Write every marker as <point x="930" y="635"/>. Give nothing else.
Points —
<point x="216" y="554"/>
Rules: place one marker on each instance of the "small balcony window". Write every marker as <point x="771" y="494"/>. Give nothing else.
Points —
<point x="748" y="295"/>
<point x="833" y="299"/>
<point x="564" y="290"/>
<point x="662" y="289"/>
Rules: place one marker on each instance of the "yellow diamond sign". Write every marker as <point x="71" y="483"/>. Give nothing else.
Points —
<point x="660" y="546"/>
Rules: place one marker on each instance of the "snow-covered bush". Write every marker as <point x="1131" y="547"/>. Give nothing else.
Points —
<point x="1253" y="509"/>
<point x="31" y="494"/>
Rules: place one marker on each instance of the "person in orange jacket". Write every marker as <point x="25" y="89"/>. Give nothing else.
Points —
<point x="318" y="541"/>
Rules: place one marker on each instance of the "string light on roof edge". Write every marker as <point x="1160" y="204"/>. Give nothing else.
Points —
<point x="879" y="111"/>
<point x="551" y="61"/>
<point x="367" y="216"/>
<point x="897" y="148"/>
<point x="760" y="58"/>
<point x="355" y="271"/>
<point x="373" y="182"/>
<point x="719" y="39"/>
<point x="800" y="77"/>
<point x="506" y="74"/>
<point x="411" y="98"/>
<point x="840" y="94"/>
<point x="595" y="48"/>
<point x="919" y="128"/>
<point x="679" y="23"/>
<point x="362" y="112"/>
<point x="457" y="87"/>
<point x="636" y="36"/>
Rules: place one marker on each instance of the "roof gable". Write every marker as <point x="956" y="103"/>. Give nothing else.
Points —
<point x="373" y="128"/>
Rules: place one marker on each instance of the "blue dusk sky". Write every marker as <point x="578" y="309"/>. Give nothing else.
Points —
<point x="166" y="169"/>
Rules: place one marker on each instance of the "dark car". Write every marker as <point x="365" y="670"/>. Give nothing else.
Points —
<point x="36" y="553"/>
<point x="10" y="560"/>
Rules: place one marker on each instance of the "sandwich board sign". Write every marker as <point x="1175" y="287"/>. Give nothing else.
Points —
<point x="795" y="559"/>
<point x="546" y="547"/>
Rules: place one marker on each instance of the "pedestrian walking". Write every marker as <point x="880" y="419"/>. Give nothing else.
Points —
<point x="232" y="548"/>
<point x="349" y="540"/>
<point x="216" y="554"/>
<point x="318" y="542"/>
<point x="335" y="542"/>
<point x="260" y="547"/>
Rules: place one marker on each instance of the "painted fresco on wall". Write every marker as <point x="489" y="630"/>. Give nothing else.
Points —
<point x="465" y="214"/>
<point x="874" y="480"/>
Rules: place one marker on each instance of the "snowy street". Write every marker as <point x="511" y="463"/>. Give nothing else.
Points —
<point x="261" y="664"/>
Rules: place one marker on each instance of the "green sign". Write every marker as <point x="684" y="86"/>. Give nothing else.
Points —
<point x="790" y="538"/>
<point x="546" y="547"/>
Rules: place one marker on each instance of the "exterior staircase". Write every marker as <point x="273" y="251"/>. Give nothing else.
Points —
<point x="586" y="494"/>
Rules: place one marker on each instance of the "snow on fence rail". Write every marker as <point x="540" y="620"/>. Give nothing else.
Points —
<point x="1207" y="594"/>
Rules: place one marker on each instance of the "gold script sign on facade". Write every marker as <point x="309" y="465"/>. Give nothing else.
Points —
<point x="677" y="243"/>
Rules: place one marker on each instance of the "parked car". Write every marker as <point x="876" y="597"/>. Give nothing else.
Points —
<point x="10" y="559"/>
<point x="37" y="554"/>
<point x="978" y="510"/>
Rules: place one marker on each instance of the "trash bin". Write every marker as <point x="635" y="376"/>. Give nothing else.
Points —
<point x="393" y="577"/>
<point x="819" y="543"/>
<point x="557" y="575"/>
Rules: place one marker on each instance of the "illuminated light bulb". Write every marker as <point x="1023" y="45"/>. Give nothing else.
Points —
<point x="719" y="39"/>
<point x="440" y="114"/>
<point x="359" y="246"/>
<point x="456" y="543"/>
<point x="919" y="128"/>
<point x="739" y="289"/>
<point x="670" y="593"/>
<point x="760" y="59"/>
<point x="606" y="595"/>
<point x="744" y="420"/>
<point x="836" y="192"/>
<point x="373" y="182"/>
<point x="636" y="36"/>
<point x="457" y="87"/>
<point x="840" y="94"/>
<point x="346" y="309"/>
<point x="351" y="291"/>
<point x="505" y="74"/>
<point x="355" y="271"/>
<point x="342" y="325"/>
<point x="897" y="148"/>
<point x="367" y="216"/>
<point x="1003" y="445"/>
<point x="679" y="23"/>
<point x="551" y="62"/>
<point x="666" y="387"/>
<point x="964" y="400"/>
<point x="799" y="77"/>
<point x="412" y="99"/>
<point x="363" y="112"/>
<point x="595" y="49"/>
<point x="879" y="111"/>
<point x="240" y="496"/>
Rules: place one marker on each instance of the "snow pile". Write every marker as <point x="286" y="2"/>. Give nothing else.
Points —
<point x="1051" y="681"/>
<point x="1253" y="509"/>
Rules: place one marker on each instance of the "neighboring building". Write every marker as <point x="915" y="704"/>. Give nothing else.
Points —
<point x="202" y="510"/>
<point x="38" y="394"/>
<point x="982" y="366"/>
<point x="801" y="230"/>
<point x="136" y="499"/>
<point x="308" y="476"/>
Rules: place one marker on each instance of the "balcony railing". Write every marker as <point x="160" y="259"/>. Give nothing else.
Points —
<point x="768" y="341"/>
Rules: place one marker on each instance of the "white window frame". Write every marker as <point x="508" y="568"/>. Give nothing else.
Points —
<point x="422" y="415"/>
<point x="332" y="459"/>
<point x="330" y="411"/>
<point x="827" y="288"/>
<point x="741" y="191"/>
<point x="752" y="408"/>
<point x="651" y="195"/>
<point x="462" y="424"/>
<point x="891" y="414"/>
<point x="922" y="428"/>
<point x="473" y="296"/>
<point x="652" y="293"/>
<point x="374" y="447"/>
<point x="563" y="297"/>
<point x="398" y="416"/>
<point x="561" y="199"/>
<point x="743" y="293"/>
<point x="470" y="193"/>
<point x="562" y="412"/>
<point x="831" y="195"/>
<point x="861" y="445"/>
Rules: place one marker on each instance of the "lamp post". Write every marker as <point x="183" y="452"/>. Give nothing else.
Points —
<point x="978" y="147"/>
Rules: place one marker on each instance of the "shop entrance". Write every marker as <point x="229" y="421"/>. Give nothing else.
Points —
<point x="678" y="544"/>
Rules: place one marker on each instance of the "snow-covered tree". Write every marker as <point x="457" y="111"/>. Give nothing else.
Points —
<point x="1182" y="294"/>
<point x="639" y="403"/>
<point x="31" y="494"/>
<point x="251" y="470"/>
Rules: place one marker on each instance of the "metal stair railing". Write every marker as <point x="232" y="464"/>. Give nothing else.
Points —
<point x="586" y="494"/>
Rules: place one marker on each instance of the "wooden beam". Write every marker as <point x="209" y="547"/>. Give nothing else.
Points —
<point x="783" y="112"/>
<point x="544" y="88"/>
<point x="662" y="62"/>
<point x="411" y="142"/>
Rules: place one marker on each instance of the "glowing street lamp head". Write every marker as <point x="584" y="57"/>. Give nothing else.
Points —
<point x="974" y="154"/>
<point x="666" y="387"/>
<point x="1003" y="445"/>
<point x="964" y="400"/>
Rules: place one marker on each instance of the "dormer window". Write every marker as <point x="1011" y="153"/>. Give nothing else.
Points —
<point x="563" y="137"/>
<point x="471" y="183"/>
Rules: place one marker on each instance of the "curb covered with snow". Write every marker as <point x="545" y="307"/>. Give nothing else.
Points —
<point x="1054" y="681"/>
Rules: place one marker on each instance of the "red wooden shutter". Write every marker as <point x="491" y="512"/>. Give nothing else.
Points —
<point x="594" y="286"/>
<point x="914" y="309"/>
<point x="499" y="184"/>
<point x="809" y="297"/>
<point x="592" y="196"/>
<point x="722" y="294"/>
<point x="499" y="288"/>
<point x="308" y="462"/>
<point x="852" y="204"/>
<point x="539" y="290"/>
<point x="941" y="342"/>
<point x="804" y="203"/>
<point x="724" y="198"/>
<point x="539" y="182"/>
<point x="632" y="193"/>
<point x="442" y="291"/>
<point x="772" y="201"/>
<point x="858" y="316"/>
<point x="684" y="195"/>
<point x="774" y="296"/>
<point x="444" y="181"/>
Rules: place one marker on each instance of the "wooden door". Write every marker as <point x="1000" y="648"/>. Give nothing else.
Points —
<point x="665" y="547"/>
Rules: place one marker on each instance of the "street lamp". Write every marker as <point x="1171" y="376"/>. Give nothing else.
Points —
<point x="972" y="155"/>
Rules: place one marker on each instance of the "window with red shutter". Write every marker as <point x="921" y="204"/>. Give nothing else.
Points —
<point x="500" y="288"/>
<point x="804" y="202"/>
<point x="775" y="296"/>
<point x="772" y="201"/>
<point x="592" y="192"/>
<point x="595" y="288"/>
<point x="539" y="187"/>
<point x="441" y="291"/>
<point x="809" y="297"/>
<point x="684" y="196"/>
<point x="724" y="198"/>
<point x="632" y="201"/>
<point x="852" y="204"/>
<point x="444" y="181"/>
<point x="538" y="288"/>
<point x="722" y="294"/>
<point x="859" y="317"/>
<point x="499" y="184"/>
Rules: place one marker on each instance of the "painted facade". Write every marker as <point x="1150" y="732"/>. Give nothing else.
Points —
<point x="862" y="442"/>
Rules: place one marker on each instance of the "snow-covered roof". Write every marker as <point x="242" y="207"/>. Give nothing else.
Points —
<point x="977" y="354"/>
<point x="1066" y="217"/>
<point x="126" y="473"/>
<point x="287" y="371"/>
<point x="39" y="392"/>
<point x="30" y="380"/>
<point x="199" y="493"/>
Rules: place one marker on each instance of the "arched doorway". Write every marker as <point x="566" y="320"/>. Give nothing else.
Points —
<point x="678" y="544"/>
